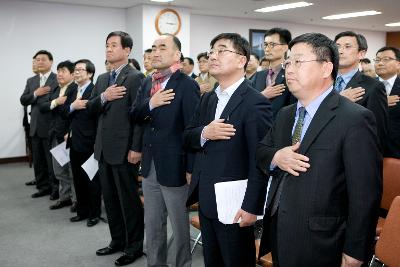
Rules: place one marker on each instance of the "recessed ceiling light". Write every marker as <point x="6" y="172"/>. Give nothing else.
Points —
<point x="162" y="1"/>
<point x="283" y="7"/>
<point x="393" y="24"/>
<point x="353" y="15"/>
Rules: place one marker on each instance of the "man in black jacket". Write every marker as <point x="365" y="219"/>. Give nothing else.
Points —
<point x="59" y="127"/>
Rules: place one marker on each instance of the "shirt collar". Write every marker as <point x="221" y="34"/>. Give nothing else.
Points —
<point x="118" y="70"/>
<point x="314" y="105"/>
<point x="46" y="75"/>
<point x="83" y="87"/>
<point x="230" y="90"/>
<point x="390" y="80"/>
<point x="347" y="76"/>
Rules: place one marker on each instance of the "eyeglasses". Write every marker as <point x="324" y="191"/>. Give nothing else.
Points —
<point x="219" y="52"/>
<point x="384" y="59"/>
<point x="297" y="63"/>
<point x="271" y="44"/>
<point x="79" y="70"/>
<point x="345" y="47"/>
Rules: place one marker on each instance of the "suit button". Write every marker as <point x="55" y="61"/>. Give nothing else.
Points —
<point x="149" y="145"/>
<point x="152" y="129"/>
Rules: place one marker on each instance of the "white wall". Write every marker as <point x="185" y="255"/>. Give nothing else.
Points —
<point x="204" y="28"/>
<point x="134" y="17"/>
<point x="67" y="31"/>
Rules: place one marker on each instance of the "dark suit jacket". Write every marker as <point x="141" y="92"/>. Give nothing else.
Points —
<point x="163" y="129"/>
<point x="393" y="137"/>
<point x="333" y="206"/>
<point x="259" y="83"/>
<point x="229" y="160"/>
<point x="39" y="121"/>
<point x="59" y="125"/>
<point x="194" y="76"/>
<point x="83" y="123"/>
<point x="115" y="132"/>
<point x="375" y="100"/>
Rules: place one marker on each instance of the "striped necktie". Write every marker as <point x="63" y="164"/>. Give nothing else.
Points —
<point x="339" y="84"/>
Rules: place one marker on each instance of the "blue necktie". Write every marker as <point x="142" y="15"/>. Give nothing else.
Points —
<point x="339" y="84"/>
<point x="112" y="79"/>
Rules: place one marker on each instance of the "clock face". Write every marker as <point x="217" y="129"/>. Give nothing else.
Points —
<point x="168" y="21"/>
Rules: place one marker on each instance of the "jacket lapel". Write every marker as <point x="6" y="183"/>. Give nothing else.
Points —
<point x="324" y="114"/>
<point x="355" y="80"/>
<point x="396" y="87"/>
<point x="88" y="91"/>
<point x="211" y="106"/>
<point x="123" y="74"/>
<point x="280" y="78"/>
<point x="235" y="100"/>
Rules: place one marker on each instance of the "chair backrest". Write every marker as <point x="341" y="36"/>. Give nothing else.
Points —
<point x="388" y="246"/>
<point x="391" y="181"/>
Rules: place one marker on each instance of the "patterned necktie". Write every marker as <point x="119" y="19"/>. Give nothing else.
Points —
<point x="339" y="84"/>
<point x="113" y="77"/>
<point x="296" y="137"/>
<point x="270" y="76"/>
<point x="387" y="87"/>
<point x="42" y="80"/>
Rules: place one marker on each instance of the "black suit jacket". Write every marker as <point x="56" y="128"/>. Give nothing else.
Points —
<point x="59" y="124"/>
<point x="393" y="137"/>
<point x="229" y="160"/>
<point x="163" y="129"/>
<point x="83" y="123"/>
<point x="115" y="132"/>
<point x="259" y="83"/>
<point x="375" y="100"/>
<point x="333" y="206"/>
<point x="39" y="121"/>
<point x="194" y="76"/>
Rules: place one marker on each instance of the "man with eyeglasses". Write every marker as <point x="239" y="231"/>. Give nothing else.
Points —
<point x="356" y="86"/>
<point x="205" y="80"/>
<point x="323" y="155"/>
<point x="224" y="133"/>
<point x="387" y="65"/>
<point x="271" y="82"/>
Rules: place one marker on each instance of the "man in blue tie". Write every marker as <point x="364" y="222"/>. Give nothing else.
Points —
<point x="326" y="168"/>
<point x="355" y="85"/>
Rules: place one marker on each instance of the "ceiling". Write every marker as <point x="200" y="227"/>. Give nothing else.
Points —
<point x="308" y="15"/>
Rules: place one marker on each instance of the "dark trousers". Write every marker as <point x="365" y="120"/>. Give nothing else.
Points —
<point x="88" y="192"/>
<point x="227" y="244"/>
<point x="272" y="232"/>
<point x="42" y="165"/>
<point x="123" y="206"/>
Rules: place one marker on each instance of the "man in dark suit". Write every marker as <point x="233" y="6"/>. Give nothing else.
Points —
<point x="387" y="65"/>
<point x="117" y="148"/>
<point x="188" y="66"/>
<point x="59" y="127"/>
<point x="165" y="106"/>
<point x="326" y="167"/>
<point x="81" y="139"/>
<point x="271" y="82"/>
<point x="228" y="124"/>
<point x="357" y="86"/>
<point x="37" y="90"/>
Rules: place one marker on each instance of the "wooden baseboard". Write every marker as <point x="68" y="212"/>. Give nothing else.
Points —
<point x="14" y="160"/>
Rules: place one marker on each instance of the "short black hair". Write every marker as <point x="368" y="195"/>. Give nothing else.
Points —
<point x="263" y="59"/>
<point x="191" y="62"/>
<point x="126" y="39"/>
<point x="256" y="56"/>
<point x="89" y="66"/>
<point x="361" y="41"/>
<point x="44" y="52"/>
<point x="66" y="64"/>
<point x="204" y="54"/>
<point x="240" y="44"/>
<point x="148" y="50"/>
<point x="395" y="50"/>
<point x="135" y="63"/>
<point x="284" y="34"/>
<point x="176" y="41"/>
<point x="324" y="48"/>
<point x="365" y="60"/>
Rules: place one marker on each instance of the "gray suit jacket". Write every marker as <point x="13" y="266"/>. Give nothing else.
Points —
<point x="39" y="121"/>
<point x="115" y="131"/>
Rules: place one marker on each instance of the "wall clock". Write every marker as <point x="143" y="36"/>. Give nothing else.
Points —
<point x="168" y="21"/>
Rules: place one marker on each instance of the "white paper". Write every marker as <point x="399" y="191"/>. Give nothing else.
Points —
<point x="60" y="153"/>
<point x="229" y="197"/>
<point x="91" y="166"/>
